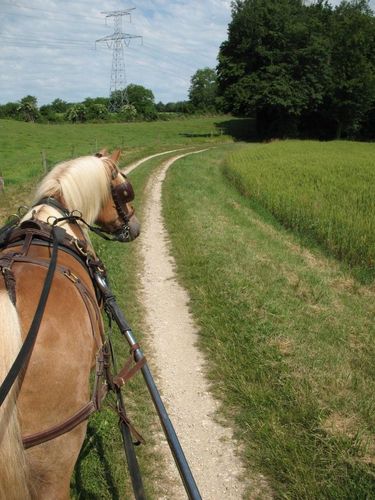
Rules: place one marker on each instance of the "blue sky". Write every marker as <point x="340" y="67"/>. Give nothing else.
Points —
<point x="48" y="46"/>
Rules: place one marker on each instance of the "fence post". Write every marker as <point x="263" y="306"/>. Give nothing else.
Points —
<point x="44" y="161"/>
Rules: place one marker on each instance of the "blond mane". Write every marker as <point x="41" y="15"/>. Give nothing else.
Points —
<point x="81" y="184"/>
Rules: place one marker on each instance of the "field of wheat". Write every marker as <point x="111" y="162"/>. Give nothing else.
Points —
<point x="323" y="190"/>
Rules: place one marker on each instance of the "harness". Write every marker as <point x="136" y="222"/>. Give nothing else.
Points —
<point x="19" y="241"/>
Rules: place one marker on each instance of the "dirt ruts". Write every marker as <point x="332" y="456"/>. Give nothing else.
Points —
<point x="209" y="447"/>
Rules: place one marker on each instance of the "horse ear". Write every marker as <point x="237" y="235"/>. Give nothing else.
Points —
<point x="115" y="156"/>
<point x="101" y="153"/>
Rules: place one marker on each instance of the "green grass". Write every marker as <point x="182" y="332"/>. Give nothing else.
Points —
<point x="21" y="144"/>
<point x="289" y="336"/>
<point x="323" y="190"/>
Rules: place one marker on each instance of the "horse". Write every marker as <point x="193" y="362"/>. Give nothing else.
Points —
<point x="54" y="384"/>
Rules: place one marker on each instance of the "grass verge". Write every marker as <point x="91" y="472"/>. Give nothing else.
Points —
<point x="288" y="334"/>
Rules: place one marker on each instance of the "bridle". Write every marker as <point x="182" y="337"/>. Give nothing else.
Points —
<point x="121" y="194"/>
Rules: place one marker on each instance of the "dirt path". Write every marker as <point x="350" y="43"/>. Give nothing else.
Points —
<point x="136" y="164"/>
<point x="209" y="447"/>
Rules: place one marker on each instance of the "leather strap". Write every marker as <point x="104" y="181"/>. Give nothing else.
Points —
<point x="126" y="373"/>
<point x="85" y="293"/>
<point x="6" y="261"/>
<point x="58" y="430"/>
<point x="99" y="393"/>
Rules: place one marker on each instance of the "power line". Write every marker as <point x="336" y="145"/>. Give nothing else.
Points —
<point x="54" y="12"/>
<point x="45" y="40"/>
<point x="116" y="41"/>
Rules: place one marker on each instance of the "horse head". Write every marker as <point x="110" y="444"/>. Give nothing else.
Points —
<point x="117" y="216"/>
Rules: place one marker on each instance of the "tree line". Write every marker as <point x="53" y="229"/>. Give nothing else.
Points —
<point x="301" y="69"/>
<point x="135" y="102"/>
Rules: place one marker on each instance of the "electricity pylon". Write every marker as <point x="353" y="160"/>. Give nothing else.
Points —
<point x="117" y="93"/>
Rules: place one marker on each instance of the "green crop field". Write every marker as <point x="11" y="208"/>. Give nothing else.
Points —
<point x="325" y="191"/>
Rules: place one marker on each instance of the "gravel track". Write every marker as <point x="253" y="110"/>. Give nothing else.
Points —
<point x="180" y="366"/>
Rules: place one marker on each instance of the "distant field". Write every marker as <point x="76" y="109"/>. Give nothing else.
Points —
<point x="22" y="144"/>
<point x="324" y="190"/>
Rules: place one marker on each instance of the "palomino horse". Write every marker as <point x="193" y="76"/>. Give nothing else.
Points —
<point x="55" y="383"/>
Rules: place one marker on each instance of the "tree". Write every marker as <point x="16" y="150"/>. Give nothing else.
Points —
<point x="59" y="106"/>
<point x="352" y="94"/>
<point x="139" y="97"/>
<point x="28" y="108"/>
<point x="203" y="90"/>
<point x="96" y="109"/>
<point x="300" y="67"/>
<point x="275" y="64"/>
<point x="143" y="101"/>
<point x="128" y="112"/>
<point x="76" y="113"/>
<point x="9" y="110"/>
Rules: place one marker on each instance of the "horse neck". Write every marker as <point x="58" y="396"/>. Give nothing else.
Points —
<point x="79" y="185"/>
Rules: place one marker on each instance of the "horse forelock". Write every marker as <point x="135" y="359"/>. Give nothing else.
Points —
<point x="81" y="184"/>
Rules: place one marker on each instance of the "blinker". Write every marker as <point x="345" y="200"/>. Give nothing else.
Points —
<point x="124" y="192"/>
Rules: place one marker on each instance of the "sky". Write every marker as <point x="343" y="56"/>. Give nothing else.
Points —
<point x="48" y="49"/>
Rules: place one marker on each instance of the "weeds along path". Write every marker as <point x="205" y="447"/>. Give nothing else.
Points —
<point x="208" y="446"/>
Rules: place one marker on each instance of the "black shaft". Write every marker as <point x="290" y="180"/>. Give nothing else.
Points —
<point x="131" y="457"/>
<point x="174" y="444"/>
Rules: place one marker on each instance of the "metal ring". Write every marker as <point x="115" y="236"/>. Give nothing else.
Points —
<point x="80" y="248"/>
<point x="22" y="210"/>
<point x="54" y="220"/>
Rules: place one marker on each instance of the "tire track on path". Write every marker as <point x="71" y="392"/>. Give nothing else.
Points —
<point x="136" y="164"/>
<point x="209" y="447"/>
